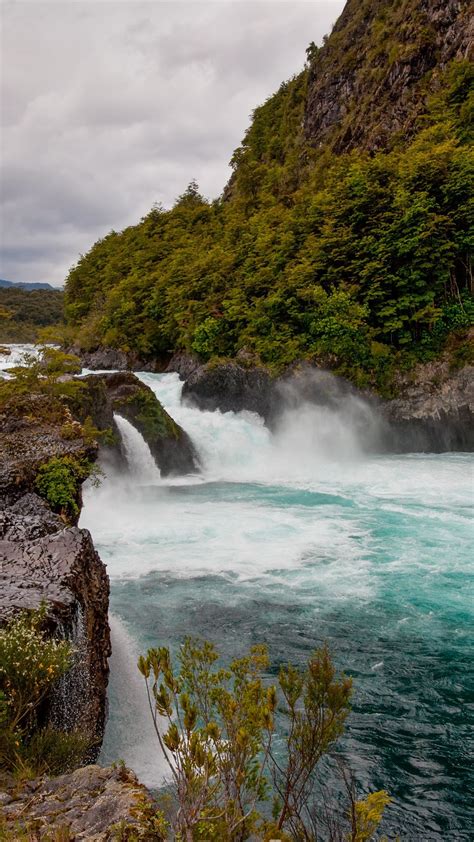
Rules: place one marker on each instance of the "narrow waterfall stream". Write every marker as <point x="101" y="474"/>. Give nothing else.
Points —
<point x="141" y="463"/>
<point x="293" y="539"/>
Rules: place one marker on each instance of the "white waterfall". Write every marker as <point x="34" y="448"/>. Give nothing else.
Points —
<point x="141" y="463"/>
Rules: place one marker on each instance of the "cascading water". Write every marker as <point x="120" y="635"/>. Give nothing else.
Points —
<point x="291" y="539"/>
<point x="140" y="461"/>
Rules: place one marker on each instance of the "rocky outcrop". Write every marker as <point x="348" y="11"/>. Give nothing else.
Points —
<point x="45" y="559"/>
<point x="434" y="413"/>
<point x="126" y="395"/>
<point x="435" y="410"/>
<point x="370" y="82"/>
<point x="30" y="438"/>
<point x="39" y="564"/>
<point x="231" y="387"/>
<point x="112" y="359"/>
<point x="85" y="804"/>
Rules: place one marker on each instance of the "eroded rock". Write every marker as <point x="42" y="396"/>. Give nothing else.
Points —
<point x="64" y="571"/>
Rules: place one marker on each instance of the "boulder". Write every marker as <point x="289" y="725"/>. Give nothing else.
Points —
<point x="127" y="396"/>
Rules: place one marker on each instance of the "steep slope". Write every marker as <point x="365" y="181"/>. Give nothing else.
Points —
<point x="368" y="85"/>
<point x="345" y="233"/>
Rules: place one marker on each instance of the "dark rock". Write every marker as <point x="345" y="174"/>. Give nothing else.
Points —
<point x="111" y="359"/>
<point x="231" y="388"/>
<point x="184" y="364"/>
<point x="64" y="571"/>
<point x="127" y="396"/>
<point x="27" y="519"/>
<point x="88" y="802"/>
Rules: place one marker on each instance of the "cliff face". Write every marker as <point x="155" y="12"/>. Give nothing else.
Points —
<point x="370" y="82"/>
<point x="63" y="570"/>
<point x="44" y="559"/>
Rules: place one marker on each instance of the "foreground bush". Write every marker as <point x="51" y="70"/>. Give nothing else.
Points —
<point x="216" y="728"/>
<point x="31" y="664"/>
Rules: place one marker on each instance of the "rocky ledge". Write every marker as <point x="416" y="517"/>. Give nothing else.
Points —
<point x="87" y="804"/>
<point x="124" y="394"/>
<point x="433" y="413"/>
<point x="44" y="557"/>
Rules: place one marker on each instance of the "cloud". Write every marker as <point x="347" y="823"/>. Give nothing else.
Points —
<point x="108" y="107"/>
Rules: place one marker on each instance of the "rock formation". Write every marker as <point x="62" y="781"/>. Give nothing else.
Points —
<point x="87" y="803"/>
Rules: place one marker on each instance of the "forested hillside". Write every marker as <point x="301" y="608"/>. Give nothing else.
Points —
<point x="23" y="312"/>
<point x="345" y="233"/>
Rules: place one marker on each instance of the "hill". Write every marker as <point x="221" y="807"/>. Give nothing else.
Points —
<point x="25" y="286"/>
<point x="345" y="233"/>
<point x="24" y="312"/>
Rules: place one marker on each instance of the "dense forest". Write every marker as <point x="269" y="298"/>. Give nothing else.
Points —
<point x="24" y="313"/>
<point x="349" y="247"/>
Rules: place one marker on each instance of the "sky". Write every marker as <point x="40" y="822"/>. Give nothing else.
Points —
<point x="108" y="107"/>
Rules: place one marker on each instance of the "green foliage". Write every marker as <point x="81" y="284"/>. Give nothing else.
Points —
<point x="59" y="482"/>
<point x="50" y="373"/>
<point x="31" y="663"/>
<point x="148" y="414"/>
<point x="361" y="262"/>
<point x="24" y="313"/>
<point x="216" y="728"/>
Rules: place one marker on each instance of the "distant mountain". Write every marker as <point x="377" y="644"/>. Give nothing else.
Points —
<point x="27" y="286"/>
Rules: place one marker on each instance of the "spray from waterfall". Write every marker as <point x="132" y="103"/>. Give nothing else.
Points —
<point x="130" y="717"/>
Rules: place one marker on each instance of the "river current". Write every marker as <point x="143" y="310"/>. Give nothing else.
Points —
<point x="294" y="539"/>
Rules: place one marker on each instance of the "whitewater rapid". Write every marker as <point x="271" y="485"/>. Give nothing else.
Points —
<point x="291" y="539"/>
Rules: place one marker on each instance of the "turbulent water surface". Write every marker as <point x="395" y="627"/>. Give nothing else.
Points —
<point x="292" y="540"/>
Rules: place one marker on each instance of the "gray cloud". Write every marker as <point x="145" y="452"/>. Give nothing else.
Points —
<point x="108" y="107"/>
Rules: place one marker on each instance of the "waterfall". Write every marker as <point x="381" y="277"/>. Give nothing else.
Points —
<point x="130" y="717"/>
<point x="141" y="463"/>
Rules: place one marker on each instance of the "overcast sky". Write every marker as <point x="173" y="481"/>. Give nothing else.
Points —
<point x="108" y="107"/>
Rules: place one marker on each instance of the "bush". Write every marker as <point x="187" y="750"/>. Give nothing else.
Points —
<point x="59" y="482"/>
<point x="219" y="743"/>
<point x="31" y="664"/>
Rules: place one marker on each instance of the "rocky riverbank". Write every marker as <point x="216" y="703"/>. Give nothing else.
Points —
<point x="46" y="440"/>
<point x="433" y="413"/>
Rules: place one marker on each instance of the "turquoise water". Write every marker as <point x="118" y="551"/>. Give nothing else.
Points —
<point x="292" y="540"/>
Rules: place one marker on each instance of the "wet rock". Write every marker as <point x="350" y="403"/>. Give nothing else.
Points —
<point x="231" y="388"/>
<point x="29" y="518"/>
<point x="126" y="395"/>
<point x="88" y="802"/>
<point x="111" y="359"/>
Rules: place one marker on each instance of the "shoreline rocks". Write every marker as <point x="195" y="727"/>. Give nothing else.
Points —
<point x="84" y="805"/>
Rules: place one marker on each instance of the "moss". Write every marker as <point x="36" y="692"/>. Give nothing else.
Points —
<point x="150" y="415"/>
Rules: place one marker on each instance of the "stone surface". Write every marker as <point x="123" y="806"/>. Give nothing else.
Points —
<point x="126" y="395"/>
<point x="88" y="802"/>
<point x="435" y="410"/>
<point x="64" y="571"/>
<point x="230" y="387"/>
<point x="111" y="359"/>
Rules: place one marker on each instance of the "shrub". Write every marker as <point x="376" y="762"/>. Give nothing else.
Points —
<point x="59" y="481"/>
<point x="31" y="663"/>
<point x="219" y="743"/>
